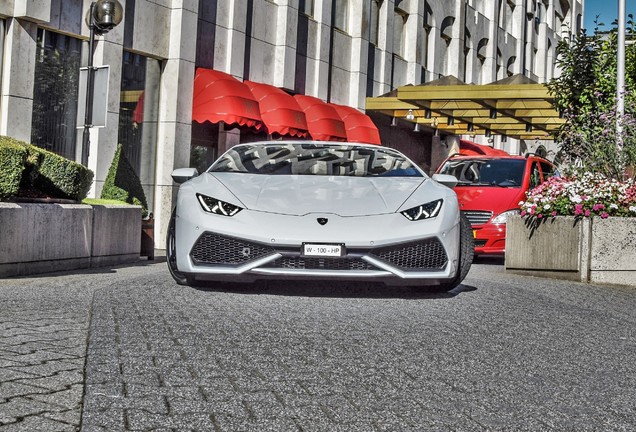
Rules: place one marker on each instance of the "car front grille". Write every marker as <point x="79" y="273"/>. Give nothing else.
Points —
<point x="216" y="249"/>
<point x="212" y="248"/>
<point x="422" y="255"/>
<point x="306" y="263"/>
<point x="477" y="217"/>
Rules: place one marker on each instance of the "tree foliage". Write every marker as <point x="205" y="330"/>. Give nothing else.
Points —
<point x="585" y="94"/>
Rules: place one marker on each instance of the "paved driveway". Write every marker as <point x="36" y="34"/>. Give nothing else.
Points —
<point x="126" y="349"/>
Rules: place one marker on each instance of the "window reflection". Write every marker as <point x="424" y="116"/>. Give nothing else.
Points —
<point x="55" y="93"/>
<point x="139" y="114"/>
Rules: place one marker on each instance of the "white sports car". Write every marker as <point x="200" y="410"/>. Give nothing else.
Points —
<point x="317" y="210"/>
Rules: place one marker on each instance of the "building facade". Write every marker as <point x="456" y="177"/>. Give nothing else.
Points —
<point x="341" y="51"/>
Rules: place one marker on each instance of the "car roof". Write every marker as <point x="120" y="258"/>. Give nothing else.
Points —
<point x="458" y="156"/>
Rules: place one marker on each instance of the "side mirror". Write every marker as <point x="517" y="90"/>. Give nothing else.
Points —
<point x="182" y="175"/>
<point x="446" y="179"/>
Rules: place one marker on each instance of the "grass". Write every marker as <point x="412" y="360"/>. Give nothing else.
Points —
<point x="99" y="201"/>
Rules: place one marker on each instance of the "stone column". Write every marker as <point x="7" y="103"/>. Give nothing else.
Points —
<point x="175" y="112"/>
<point x="18" y="70"/>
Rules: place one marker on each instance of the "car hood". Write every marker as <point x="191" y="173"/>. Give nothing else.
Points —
<point x="495" y="199"/>
<point x="300" y="195"/>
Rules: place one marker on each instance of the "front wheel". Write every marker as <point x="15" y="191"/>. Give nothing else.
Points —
<point x="171" y="252"/>
<point x="466" y="254"/>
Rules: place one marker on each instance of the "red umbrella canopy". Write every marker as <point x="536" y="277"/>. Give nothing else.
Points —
<point x="322" y="119"/>
<point x="219" y="97"/>
<point x="279" y="110"/>
<point x="359" y="126"/>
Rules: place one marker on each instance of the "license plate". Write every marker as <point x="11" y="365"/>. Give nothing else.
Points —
<point x="327" y="250"/>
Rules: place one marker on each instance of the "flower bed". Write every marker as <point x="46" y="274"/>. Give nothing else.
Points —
<point x="584" y="196"/>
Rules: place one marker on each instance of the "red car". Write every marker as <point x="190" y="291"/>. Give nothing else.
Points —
<point x="489" y="190"/>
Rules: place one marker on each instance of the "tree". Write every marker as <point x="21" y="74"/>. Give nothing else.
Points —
<point x="585" y="94"/>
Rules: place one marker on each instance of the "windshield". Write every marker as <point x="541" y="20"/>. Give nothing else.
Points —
<point x="486" y="172"/>
<point x="315" y="159"/>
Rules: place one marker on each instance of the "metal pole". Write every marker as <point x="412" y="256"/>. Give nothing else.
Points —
<point x="620" y="74"/>
<point x="90" y="78"/>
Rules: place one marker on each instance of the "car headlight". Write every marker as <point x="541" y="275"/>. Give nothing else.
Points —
<point x="502" y="218"/>
<point x="216" y="206"/>
<point x="424" y="211"/>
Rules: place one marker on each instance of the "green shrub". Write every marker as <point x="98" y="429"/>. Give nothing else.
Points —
<point x="55" y="175"/>
<point x="123" y="184"/>
<point x="12" y="157"/>
<point x="27" y="168"/>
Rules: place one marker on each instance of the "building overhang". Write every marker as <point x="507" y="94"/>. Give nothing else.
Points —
<point x="516" y="110"/>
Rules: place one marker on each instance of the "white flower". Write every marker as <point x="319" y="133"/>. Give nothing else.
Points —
<point x="613" y="206"/>
<point x="632" y="209"/>
<point x="575" y="199"/>
<point x="547" y="206"/>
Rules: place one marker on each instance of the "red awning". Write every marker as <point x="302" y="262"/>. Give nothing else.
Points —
<point x="279" y="110"/>
<point x="359" y="127"/>
<point x="322" y="119"/>
<point x="138" y="113"/>
<point x="469" y="148"/>
<point x="219" y="97"/>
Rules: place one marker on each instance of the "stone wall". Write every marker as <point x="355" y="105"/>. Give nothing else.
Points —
<point x="40" y="238"/>
<point x="590" y="250"/>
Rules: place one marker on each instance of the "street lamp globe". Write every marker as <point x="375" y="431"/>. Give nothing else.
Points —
<point x="103" y="15"/>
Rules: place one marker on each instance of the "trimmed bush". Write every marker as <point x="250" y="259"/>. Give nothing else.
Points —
<point x="123" y="184"/>
<point x="12" y="157"/>
<point x="27" y="170"/>
<point x="55" y="175"/>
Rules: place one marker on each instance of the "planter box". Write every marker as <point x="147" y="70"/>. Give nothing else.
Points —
<point x="40" y="238"/>
<point x="589" y="250"/>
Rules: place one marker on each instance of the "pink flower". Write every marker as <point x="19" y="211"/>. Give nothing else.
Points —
<point x="604" y="215"/>
<point x="523" y="213"/>
<point x="554" y="214"/>
<point x="539" y="216"/>
<point x="578" y="209"/>
<point x="587" y="213"/>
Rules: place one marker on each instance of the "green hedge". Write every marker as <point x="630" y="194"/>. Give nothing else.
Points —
<point x="55" y="175"/>
<point x="12" y="157"/>
<point x="41" y="170"/>
<point x="123" y="184"/>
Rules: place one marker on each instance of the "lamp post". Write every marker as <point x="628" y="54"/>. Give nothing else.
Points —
<point x="102" y="16"/>
<point x="620" y="74"/>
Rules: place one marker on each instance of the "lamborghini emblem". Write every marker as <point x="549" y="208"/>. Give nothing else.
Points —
<point x="322" y="221"/>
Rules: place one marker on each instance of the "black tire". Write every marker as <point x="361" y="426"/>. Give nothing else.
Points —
<point x="466" y="254"/>
<point x="171" y="253"/>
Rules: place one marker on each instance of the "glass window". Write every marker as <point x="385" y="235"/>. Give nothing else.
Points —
<point x="486" y="171"/>
<point x="535" y="175"/>
<point x="399" y="32"/>
<point x="548" y="170"/>
<point x="306" y="7"/>
<point x="138" y="116"/>
<point x="341" y="17"/>
<point x="374" y="25"/>
<point x="55" y="92"/>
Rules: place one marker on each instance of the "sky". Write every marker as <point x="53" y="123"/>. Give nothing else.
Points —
<point x="607" y="11"/>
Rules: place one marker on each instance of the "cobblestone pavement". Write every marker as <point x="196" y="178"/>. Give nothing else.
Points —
<point x="128" y="350"/>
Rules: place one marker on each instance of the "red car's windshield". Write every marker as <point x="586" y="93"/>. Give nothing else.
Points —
<point x="486" y="171"/>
